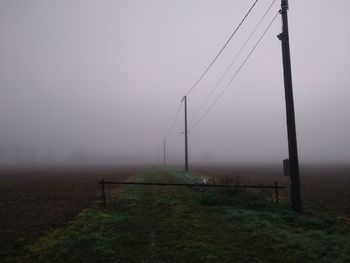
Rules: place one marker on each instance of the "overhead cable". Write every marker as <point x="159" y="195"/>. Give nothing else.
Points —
<point x="231" y="64"/>
<point x="222" y="49"/>
<point x="174" y="142"/>
<point x="236" y="73"/>
<point x="174" y="122"/>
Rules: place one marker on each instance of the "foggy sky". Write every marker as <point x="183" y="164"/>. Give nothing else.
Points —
<point x="84" y="80"/>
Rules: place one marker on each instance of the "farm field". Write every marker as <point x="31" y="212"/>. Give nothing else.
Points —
<point x="35" y="201"/>
<point x="57" y="214"/>
<point x="174" y="132"/>
<point x="324" y="187"/>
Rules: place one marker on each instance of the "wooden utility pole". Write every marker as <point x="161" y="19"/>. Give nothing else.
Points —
<point x="164" y="152"/>
<point x="291" y="129"/>
<point x="186" y="133"/>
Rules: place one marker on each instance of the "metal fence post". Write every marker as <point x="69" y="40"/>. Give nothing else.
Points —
<point x="276" y="192"/>
<point x="103" y="192"/>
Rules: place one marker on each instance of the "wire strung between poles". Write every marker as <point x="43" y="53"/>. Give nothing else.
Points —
<point x="236" y="73"/>
<point x="174" y="142"/>
<point x="222" y="49"/>
<point x="174" y="122"/>
<point x="231" y="64"/>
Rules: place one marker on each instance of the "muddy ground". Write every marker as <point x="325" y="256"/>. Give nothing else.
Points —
<point x="34" y="201"/>
<point x="326" y="186"/>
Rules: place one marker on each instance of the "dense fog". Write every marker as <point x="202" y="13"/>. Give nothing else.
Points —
<point x="100" y="82"/>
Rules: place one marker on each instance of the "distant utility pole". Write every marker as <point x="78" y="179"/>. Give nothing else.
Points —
<point x="291" y="129"/>
<point x="164" y="153"/>
<point x="186" y="133"/>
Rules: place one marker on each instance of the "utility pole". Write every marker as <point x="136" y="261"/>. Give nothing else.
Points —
<point x="164" y="153"/>
<point x="186" y="133"/>
<point x="291" y="129"/>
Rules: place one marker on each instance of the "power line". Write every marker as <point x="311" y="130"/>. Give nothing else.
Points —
<point x="174" y="122"/>
<point x="232" y="62"/>
<point x="236" y="73"/>
<point x="174" y="142"/>
<point x="222" y="49"/>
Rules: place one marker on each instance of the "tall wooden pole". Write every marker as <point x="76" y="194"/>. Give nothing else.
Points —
<point x="186" y="133"/>
<point x="291" y="129"/>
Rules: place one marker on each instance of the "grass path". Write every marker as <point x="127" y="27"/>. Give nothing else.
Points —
<point x="167" y="224"/>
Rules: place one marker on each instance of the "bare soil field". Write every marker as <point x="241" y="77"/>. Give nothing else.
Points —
<point x="177" y="224"/>
<point x="323" y="186"/>
<point x="34" y="201"/>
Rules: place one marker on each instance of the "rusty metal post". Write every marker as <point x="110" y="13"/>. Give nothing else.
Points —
<point x="276" y="192"/>
<point x="103" y="192"/>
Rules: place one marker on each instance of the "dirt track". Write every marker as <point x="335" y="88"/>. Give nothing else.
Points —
<point x="33" y="202"/>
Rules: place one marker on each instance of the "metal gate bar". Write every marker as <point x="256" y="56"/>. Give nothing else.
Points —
<point x="276" y="186"/>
